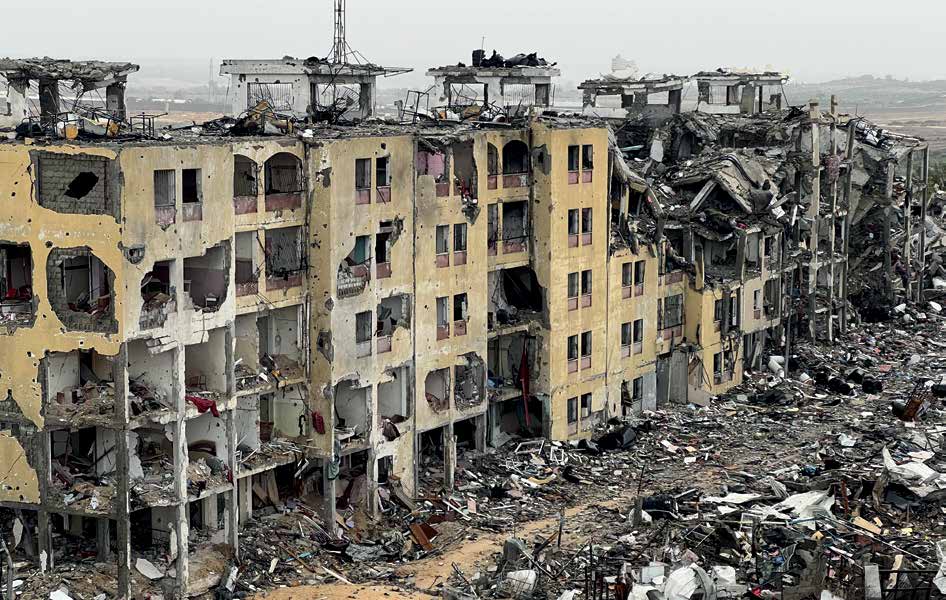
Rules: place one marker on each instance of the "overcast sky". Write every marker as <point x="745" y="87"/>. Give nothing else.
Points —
<point x="813" y="40"/>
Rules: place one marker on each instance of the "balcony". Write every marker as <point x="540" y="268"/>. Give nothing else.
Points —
<point x="353" y="280"/>
<point x="573" y="365"/>
<point x="673" y="277"/>
<point x="165" y="215"/>
<point x="459" y="328"/>
<point x="192" y="211"/>
<point x="586" y="301"/>
<point x="244" y="205"/>
<point x="384" y="344"/>
<point x="362" y="196"/>
<point x="283" y="201"/>
<point x="443" y="331"/>
<point x="587" y="175"/>
<point x="585" y="362"/>
<point x="492" y="182"/>
<point x="574" y="177"/>
<point x="627" y="291"/>
<point x="382" y="270"/>
<point x="459" y="257"/>
<point x="384" y="194"/>
<point x="516" y="180"/>
<point x="573" y="303"/>
<point x="443" y="260"/>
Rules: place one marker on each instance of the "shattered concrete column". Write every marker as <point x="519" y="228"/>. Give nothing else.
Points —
<point x="813" y="215"/>
<point x="102" y="547"/>
<point x="834" y="217"/>
<point x="210" y="516"/>
<point x="449" y="456"/>
<point x="366" y="99"/>
<point x="328" y="493"/>
<point x="115" y="100"/>
<point x="231" y="499"/>
<point x="481" y="429"/>
<point x="371" y="477"/>
<point x="675" y="101"/>
<point x="46" y="552"/>
<point x="179" y="444"/>
<point x="16" y="98"/>
<point x="888" y="245"/>
<point x="122" y="457"/>
<point x="494" y="90"/>
<point x="747" y="101"/>
<point x="908" y="229"/>
<point x="49" y="104"/>
<point x="848" y="188"/>
<point x="925" y="199"/>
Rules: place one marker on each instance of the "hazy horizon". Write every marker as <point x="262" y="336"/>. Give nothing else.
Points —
<point x="849" y="39"/>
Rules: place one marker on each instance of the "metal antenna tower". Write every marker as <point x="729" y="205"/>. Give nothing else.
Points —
<point x="340" y="49"/>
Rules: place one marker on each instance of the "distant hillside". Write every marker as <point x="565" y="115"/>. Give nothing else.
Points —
<point x="868" y="93"/>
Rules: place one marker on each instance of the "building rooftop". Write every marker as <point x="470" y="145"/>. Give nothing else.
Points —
<point x="65" y="70"/>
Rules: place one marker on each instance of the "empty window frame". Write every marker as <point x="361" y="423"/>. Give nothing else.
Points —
<point x="190" y="186"/>
<point x="673" y="311"/>
<point x="459" y="237"/>
<point x="363" y="327"/>
<point x="585" y="405"/>
<point x="165" y="193"/>
<point x="363" y="174"/>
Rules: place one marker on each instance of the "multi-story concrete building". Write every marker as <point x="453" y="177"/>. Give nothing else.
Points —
<point x="198" y="322"/>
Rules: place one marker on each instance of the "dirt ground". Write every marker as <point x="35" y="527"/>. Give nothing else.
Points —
<point x="930" y="126"/>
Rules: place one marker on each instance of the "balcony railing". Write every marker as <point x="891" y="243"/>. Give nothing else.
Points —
<point x="492" y="182"/>
<point x="443" y="189"/>
<point x="573" y="303"/>
<point x="638" y="347"/>
<point x="587" y="175"/>
<point x="573" y="365"/>
<point x="353" y="281"/>
<point x="192" y="211"/>
<point x="674" y="277"/>
<point x="572" y="240"/>
<point x="459" y="328"/>
<point x="586" y="301"/>
<point x="514" y="246"/>
<point x="459" y="257"/>
<point x="585" y="362"/>
<point x="625" y="351"/>
<point x="363" y="349"/>
<point x="244" y="205"/>
<point x="443" y="331"/>
<point x="384" y="344"/>
<point x="627" y="291"/>
<point x="668" y="333"/>
<point x="165" y="215"/>
<point x="639" y="289"/>
<point x="586" y="239"/>
<point x="384" y="194"/>
<point x="283" y="201"/>
<point x="283" y="283"/>
<point x="362" y="196"/>
<point x="516" y="180"/>
<point x="382" y="270"/>
<point x="574" y="177"/>
<point x="247" y="288"/>
<point x="443" y="260"/>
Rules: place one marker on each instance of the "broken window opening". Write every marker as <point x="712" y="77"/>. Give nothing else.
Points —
<point x="383" y="240"/>
<point x="639" y="272"/>
<point x="460" y="315"/>
<point x="207" y="277"/>
<point x="492" y="228"/>
<point x="572" y="350"/>
<point x="157" y="295"/>
<point x="191" y="195"/>
<point x="464" y="167"/>
<point x="80" y="290"/>
<point x="573" y="227"/>
<point x="393" y="312"/>
<point x="17" y="308"/>
<point x="442" y="249"/>
<point x="443" y="318"/>
<point x="431" y="452"/>
<point x="470" y="378"/>
<point x="247" y="272"/>
<point x="514" y="296"/>
<point x="511" y="365"/>
<point x="638" y="336"/>
<point x="437" y="389"/>
<point x="362" y="181"/>
<point x="586" y="223"/>
<point x="492" y="166"/>
<point x="394" y="401"/>
<point x="151" y="376"/>
<point x="459" y="244"/>
<point x="363" y="326"/>
<point x="76" y="184"/>
<point x="435" y="164"/>
<point x="573" y="289"/>
<point x="165" y="197"/>
<point x="573" y="161"/>
<point x="285" y="258"/>
<point x="515" y="223"/>
<point x="586" y="339"/>
<point x="672" y="315"/>
<point x="284" y="182"/>
<point x="586" y="288"/>
<point x="516" y="164"/>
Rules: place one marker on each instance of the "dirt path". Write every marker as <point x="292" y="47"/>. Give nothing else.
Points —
<point x="431" y="571"/>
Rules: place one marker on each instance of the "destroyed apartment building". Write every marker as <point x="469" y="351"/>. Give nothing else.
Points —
<point x="304" y="300"/>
